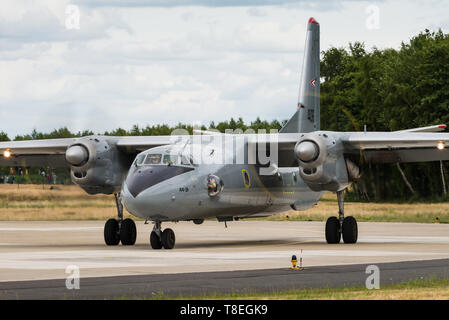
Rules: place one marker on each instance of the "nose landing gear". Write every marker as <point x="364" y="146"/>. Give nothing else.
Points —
<point x="168" y="238"/>
<point x="162" y="239"/>
<point x="119" y="230"/>
<point x="124" y="231"/>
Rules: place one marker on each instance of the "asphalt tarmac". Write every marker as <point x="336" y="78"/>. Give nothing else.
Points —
<point x="211" y="283"/>
<point x="209" y="258"/>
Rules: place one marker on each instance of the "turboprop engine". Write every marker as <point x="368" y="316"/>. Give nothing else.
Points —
<point x="97" y="165"/>
<point x="322" y="163"/>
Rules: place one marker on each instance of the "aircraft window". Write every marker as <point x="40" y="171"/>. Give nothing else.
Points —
<point x="214" y="185"/>
<point x="185" y="160"/>
<point x="139" y="159"/>
<point x="153" y="159"/>
<point x="170" y="159"/>
<point x="192" y="161"/>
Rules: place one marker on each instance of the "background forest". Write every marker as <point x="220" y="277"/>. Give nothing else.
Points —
<point x="384" y="90"/>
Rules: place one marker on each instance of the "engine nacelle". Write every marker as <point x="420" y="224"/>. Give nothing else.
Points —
<point x="97" y="165"/>
<point x="322" y="164"/>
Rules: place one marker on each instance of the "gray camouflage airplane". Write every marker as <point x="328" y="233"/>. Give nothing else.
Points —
<point x="227" y="176"/>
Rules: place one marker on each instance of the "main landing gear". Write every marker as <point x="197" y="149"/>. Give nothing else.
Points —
<point x="341" y="226"/>
<point x="119" y="230"/>
<point x="162" y="239"/>
<point x="124" y="231"/>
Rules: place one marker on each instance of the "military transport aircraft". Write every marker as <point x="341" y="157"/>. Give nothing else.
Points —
<point x="227" y="176"/>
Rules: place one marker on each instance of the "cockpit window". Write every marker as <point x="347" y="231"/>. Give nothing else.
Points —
<point x="139" y="159"/>
<point x="185" y="160"/>
<point x="192" y="161"/>
<point x="170" y="159"/>
<point x="153" y="159"/>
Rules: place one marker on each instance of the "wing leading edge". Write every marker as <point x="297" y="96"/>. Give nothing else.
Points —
<point x="378" y="147"/>
<point x="33" y="153"/>
<point x="51" y="152"/>
<point x="404" y="146"/>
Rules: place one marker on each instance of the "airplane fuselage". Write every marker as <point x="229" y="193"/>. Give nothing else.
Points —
<point x="176" y="191"/>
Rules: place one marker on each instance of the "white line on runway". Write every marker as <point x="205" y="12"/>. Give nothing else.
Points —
<point x="403" y="239"/>
<point x="129" y="258"/>
<point x="51" y="229"/>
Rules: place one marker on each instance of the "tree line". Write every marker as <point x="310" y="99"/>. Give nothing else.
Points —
<point x="384" y="90"/>
<point x="389" y="90"/>
<point x="154" y="130"/>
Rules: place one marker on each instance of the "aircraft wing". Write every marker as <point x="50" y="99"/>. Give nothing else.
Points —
<point x="51" y="152"/>
<point x="35" y="152"/>
<point x="404" y="146"/>
<point x="377" y="147"/>
<point x="437" y="128"/>
<point x="414" y="145"/>
<point x="132" y="144"/>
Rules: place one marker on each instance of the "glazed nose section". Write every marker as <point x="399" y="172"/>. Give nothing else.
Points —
<point x="142" y="178"/>
<point x="76" y="155"/>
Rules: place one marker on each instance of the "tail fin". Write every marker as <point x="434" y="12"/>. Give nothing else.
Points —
<point x="307" y="117"/>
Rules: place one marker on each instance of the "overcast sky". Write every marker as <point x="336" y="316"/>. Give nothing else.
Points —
<point x="169" y="61"/>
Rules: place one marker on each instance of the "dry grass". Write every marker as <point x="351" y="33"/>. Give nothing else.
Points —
<point x="37" y="202"/>
<point x="413" y="290"/>
<point x="34" y="192"/>
<point x="431" y="293"/>
<point x="379" y="212"/>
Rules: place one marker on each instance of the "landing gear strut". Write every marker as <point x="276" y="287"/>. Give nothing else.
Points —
<point x="341" y="226"/>
<point x="116" y="230"/>
<point x="162" y="239"/>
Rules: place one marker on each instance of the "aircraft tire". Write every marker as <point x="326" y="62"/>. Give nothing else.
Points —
<point x="168" y="239"/>
<point x="333" y="234"/>
<point x="350" y="230"/>
<point x="128" y="232"/>
<point x="155" y="241"/>
<point x="111" y="232"/>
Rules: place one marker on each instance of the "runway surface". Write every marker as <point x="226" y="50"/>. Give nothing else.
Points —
<point x="43" y="250"/>
<point x="209" y="283"/>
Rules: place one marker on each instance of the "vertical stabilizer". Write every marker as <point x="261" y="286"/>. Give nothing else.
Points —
<point x="307" y="117"/>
